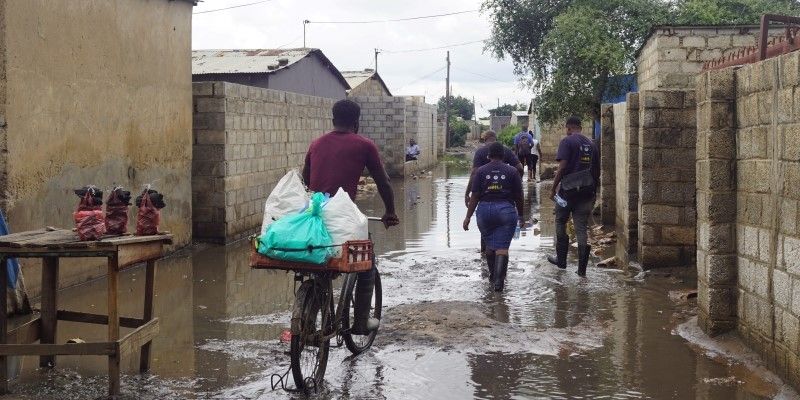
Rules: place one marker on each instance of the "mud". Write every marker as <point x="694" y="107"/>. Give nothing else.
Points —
<point x="445" y="333"/>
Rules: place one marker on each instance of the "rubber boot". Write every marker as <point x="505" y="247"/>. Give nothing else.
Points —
<point x="583" y="259"/>
<point x="560" y="260"/>
<point x="490" y="261"/>
<point x="500" y="269"/>
<point x="362" y="303"/>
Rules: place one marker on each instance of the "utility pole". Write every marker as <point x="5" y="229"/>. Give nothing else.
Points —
<point x="305" y="22"/>
<point x="447" y="105"/>
<point x="475" y="116"/>
<point x="377" y="51"/>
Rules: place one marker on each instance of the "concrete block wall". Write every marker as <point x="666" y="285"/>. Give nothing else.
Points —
<point x="608" y="173"/>
<point x="421" y="126"/>
<point x="626" y="163"/>
<point x="383" y="119"/>
<point x="666" y="184"/>
<point x="768" y="228"/>
<point x="245" y="139"/>
<point x="672" y="56"/>
<point x="716" y="201"/>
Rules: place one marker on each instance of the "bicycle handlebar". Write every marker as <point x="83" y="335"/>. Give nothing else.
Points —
<point x="374" y="219"/>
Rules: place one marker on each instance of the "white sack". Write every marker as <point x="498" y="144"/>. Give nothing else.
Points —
<point x="289" y="196"/>
<point x="344" y="220"/>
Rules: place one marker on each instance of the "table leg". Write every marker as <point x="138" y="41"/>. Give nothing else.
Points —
<point x="3" y="324"/>
<point x="49" y="307"/>
<point x="144" y="359"/>
<point x="113" y="326"/>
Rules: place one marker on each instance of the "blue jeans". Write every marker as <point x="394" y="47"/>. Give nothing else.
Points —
<point x="497" y="221"/>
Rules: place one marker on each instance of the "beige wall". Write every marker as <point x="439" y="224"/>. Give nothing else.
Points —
<point x="673" y="56"/>
<point x="245" y="139"/>
<point x="370" y="87"/>
<point x="748" y="170"/>
<point x="96" y="92"/>
<point x="626" y="162"/>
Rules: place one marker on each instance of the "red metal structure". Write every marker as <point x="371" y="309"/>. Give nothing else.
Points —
<point x="767" y="47"/>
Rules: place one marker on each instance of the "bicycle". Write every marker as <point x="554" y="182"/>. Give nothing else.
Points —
<point x="315" y="318"/>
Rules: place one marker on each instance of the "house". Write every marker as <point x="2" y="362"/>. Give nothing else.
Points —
<point x="498" y="122"/>
<point x="94" y="93"/>
<point x="305" y="71"/>
<point x="519" y="118"/>
<point x="366" y="83"/>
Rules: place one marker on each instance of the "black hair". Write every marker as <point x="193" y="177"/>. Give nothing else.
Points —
<point x="346" y="113"/>
<point x="490" y="134"/>
<point x="496" y="150"/>
<point x="574" y="120"/>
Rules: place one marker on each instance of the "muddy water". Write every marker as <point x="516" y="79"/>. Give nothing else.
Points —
<point x="445" y="334"/>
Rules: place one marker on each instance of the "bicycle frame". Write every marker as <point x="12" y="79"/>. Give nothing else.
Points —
<point x="332" y="328"/>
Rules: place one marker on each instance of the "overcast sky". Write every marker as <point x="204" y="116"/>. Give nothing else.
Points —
<point x="278" y="23"/>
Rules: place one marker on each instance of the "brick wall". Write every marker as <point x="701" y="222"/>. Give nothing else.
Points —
<point x="673" y="56"/>
<point x="421" y="126"/>
<point x="626" y="162"/>
<point x="766" y="240"/>
<point x="245" y="140"/>
<point x="667" y="214"/>
<point x="608" y="188"/>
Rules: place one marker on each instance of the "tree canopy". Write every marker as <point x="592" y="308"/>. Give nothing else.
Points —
<point x="459" y="106"/>
<point x="506" y="109"/>
<point x="566" y="50"/>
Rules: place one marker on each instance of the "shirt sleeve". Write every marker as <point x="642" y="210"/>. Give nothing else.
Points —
<point x="475" y="162"/>
<point x="476" y="184"/>
<point x="373" y="158"/>
<point x="563" y="150"/>
<point x="511" y="158"/>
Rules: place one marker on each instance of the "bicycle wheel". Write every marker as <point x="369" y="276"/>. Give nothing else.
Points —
<point x="309" y="352"/>
<point x="359" y="343"/>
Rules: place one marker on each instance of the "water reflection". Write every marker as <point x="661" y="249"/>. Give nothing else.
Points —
<point x="550" y="334"/>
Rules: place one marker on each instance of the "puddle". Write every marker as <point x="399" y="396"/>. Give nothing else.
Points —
<point x="445" y="334"/>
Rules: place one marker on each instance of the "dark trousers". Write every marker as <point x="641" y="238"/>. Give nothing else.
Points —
<point x="579" y="210"/>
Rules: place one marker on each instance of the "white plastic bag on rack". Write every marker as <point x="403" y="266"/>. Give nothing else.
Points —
<point x="289" y="196"/>
<point x="344" y="220"/>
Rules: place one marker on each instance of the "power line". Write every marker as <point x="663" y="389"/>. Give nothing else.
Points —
<point x="481" y="75"/>
<point x="422" y="77"/>
<point x="433" y="48"/>
<point x="228" y="8"/>
<point x="394" y="20"/>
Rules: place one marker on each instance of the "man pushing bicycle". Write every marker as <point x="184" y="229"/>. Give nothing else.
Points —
<point x="336" y="160"/>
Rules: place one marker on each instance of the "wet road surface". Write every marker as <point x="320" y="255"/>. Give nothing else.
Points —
<point x="445" y="334"/>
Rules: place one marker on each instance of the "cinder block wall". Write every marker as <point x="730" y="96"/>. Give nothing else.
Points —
<point x="421" y="126"/>
<point x="626" y="163"/>
<point x="383" y="119"/>
<point x="608" y="173"/>
<point x="767" y="235"/>
<point x="245" y="139"/>
<point x="667" y="213"/>
<point x="672" y="56"/>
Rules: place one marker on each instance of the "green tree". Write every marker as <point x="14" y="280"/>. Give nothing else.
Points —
<point x="506" y="136"/>
<point x="460" y="106"/>
<point x="506" y="109"/>
<point x="566" y="50"/>
<point x="458" y="132"/>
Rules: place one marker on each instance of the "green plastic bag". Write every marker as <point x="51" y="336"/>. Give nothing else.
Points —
<point x="299" y="237"/>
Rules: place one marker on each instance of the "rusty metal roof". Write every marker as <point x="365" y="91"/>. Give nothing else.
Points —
<point x="241" y="61"/>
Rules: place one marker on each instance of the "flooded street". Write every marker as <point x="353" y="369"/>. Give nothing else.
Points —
<point x="445" y="334"/>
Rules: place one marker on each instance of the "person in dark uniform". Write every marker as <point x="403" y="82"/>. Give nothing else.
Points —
<point x="496" y="193"/>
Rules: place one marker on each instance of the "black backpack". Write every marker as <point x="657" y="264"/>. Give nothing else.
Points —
<point x="524" y="146"/>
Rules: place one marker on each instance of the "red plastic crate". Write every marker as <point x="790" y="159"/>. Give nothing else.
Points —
<point x="356" y="257"/>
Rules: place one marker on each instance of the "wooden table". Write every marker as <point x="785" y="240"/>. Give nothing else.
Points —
<point x="50" y="245"/>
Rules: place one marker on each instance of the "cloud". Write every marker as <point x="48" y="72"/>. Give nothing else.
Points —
<point x="351" y="46"/>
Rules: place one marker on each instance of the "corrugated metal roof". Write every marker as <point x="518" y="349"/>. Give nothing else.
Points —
<point x="240" y="61"/>
<point x="520" y="113"/>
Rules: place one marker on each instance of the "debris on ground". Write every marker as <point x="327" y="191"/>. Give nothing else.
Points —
<point x="610" y="262"/>
<point x="683" y="295"/>
<point x="367" y="186"/>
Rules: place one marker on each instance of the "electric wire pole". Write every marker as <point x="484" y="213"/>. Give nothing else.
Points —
<point x="447" y="105"/>
<point x="377" y="51"/>
<point x="305" y="22"/>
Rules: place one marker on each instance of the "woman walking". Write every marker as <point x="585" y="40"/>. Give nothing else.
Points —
<point x="496" y="193"/>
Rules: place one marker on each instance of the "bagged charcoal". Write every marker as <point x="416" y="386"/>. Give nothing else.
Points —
<point x="288" y="197"/>
<point x="150" y="203"/>
<point x="117" y="211"/>
<point x="344" y="220"/>
<point x="299" y="237"/>
<point x="89" y="218"/>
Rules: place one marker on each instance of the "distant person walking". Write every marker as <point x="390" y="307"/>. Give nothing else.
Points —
<point x="412" y="151"/>
<point x="576" y="183"/>
<point x="526" y="148"/>
<point x="496" y="193"/>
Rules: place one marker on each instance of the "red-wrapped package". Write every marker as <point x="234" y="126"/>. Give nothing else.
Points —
<point x="149" y="216"/>
<point x="89" y="218"/>
<point x="117" y="211"/>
